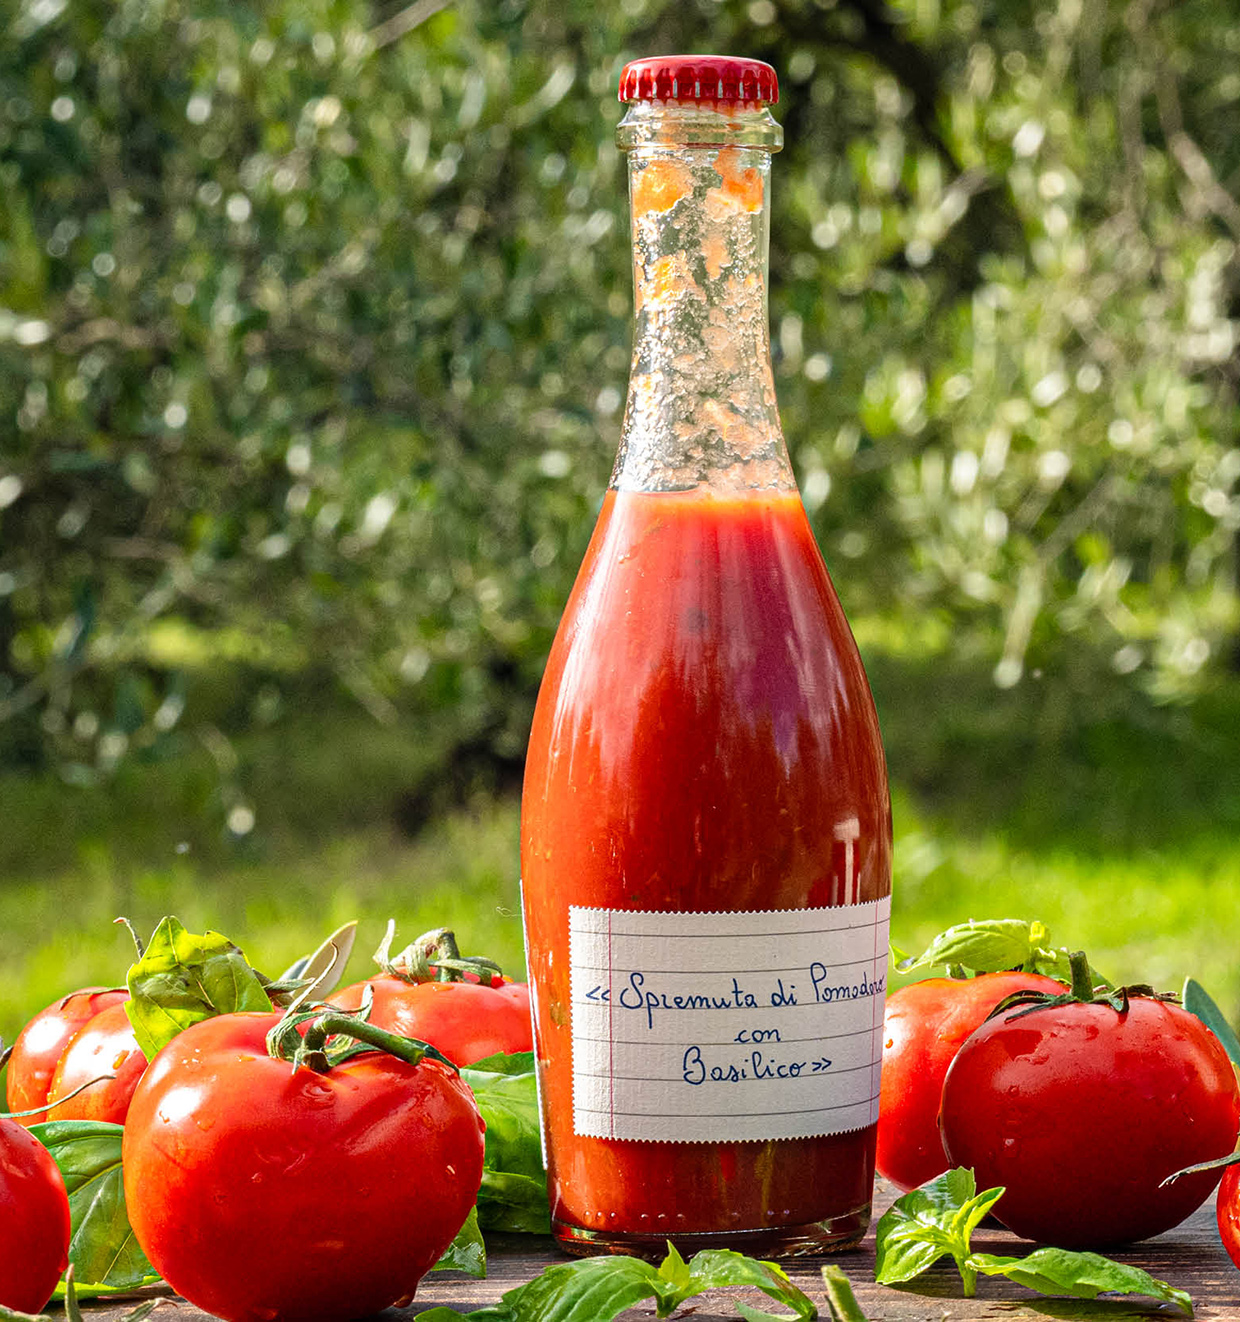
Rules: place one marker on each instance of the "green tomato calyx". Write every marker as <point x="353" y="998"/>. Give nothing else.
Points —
<point x="322" y="1037"/>
<point x="1083" y="991"/>
<point x="433" y="957"/>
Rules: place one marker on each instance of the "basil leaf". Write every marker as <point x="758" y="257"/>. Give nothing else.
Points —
<point x="599" y="1289"/>
<point x="182" y="978"/>
<point x="103" y="1251"/>
<point x="906" y="1248"/>
<point x="513" y="1196"/>
<point x="983" y="947"/>
<point x="1199" y="1002"/>
<point x="505" y="1062"/>
<point x="514" y="1204"/>
<point x="467" y="1252"/>
<point x="759" y="1315"/>
<point x="590" y="1290"/>
<point x="940" y="1218"/>
<point x="508" y="1100"/>
<point x="926" y="1223"/>
<point x="674" y="1270"/>
<point x="713" y="1268"/>
<point x="971" y="1214"/>
<point x="1079" y="1276"/>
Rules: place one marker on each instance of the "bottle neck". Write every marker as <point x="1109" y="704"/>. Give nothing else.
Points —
<point x="701" y="407"/>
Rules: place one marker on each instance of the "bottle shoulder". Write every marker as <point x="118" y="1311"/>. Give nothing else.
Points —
<point x="720" y="605"/>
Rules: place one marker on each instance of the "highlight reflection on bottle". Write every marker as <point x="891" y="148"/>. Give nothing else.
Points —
<point x="706" y="829"/>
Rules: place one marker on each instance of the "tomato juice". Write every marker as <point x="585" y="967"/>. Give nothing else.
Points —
<point x="703" y="730"/>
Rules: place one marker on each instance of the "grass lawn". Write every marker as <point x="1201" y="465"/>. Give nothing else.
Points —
<point x="1155" y="915"/>
<point x="1122" y="836"/>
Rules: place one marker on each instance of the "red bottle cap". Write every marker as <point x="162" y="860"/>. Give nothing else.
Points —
<point x="710" y="78"/>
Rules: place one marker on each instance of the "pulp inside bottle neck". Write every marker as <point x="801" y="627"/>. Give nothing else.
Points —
<point x="701" y="408"/>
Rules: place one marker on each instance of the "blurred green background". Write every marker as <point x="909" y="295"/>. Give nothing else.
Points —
<point x="314" y="335"/>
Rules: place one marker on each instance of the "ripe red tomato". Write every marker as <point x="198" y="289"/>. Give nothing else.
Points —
<point x="101" y="1046"/>
<point x="260" y="1191"/>
<point x="42" y="1042"/>
<point x="1228" y="1212"/>
<point x="1081" y="1111"/>
<point x="924" y="1026"/>
<point x="34" y="1221"/>
<point x="467" y="1021"/>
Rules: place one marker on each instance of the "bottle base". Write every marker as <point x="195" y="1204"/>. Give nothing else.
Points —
<point x="827" y="1236"/>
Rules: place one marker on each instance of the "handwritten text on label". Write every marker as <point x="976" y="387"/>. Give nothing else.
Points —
<point x="777" y="1015"/>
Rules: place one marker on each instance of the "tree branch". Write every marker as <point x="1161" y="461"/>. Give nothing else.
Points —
<point x="404" y="21"/>
<point x="1210" y="195"/>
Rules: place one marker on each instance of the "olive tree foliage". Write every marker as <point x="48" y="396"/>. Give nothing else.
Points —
<point x="315" y="324"/>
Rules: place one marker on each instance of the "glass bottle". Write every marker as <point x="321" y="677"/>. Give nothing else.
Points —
<point x="706" y="827"/>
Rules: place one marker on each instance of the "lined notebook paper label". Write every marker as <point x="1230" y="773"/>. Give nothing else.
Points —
<point x="711" y="1027"/>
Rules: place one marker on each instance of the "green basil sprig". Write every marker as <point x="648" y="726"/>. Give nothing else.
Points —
<point x="938" y="1219"/>
<point x="990" y="946"/>
<point x="599" y="1289"/>
<point x="929" y="1223"/>
<point x="994" y="944"/>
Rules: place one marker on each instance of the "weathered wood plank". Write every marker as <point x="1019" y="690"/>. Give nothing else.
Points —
<point x="1189" y="1257"/>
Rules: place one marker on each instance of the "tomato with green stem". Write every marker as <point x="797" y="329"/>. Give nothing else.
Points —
<point x="270" y="1175"/>
<point x="461" y="1004"/>
<point x="81" y="1058"/>
<point x="34" y="1220"/>
<point x="1082" y="1105"/>
<point x="924" y="1026"/>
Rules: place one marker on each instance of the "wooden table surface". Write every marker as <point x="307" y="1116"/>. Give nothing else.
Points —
<point x="1189" y="1258"/>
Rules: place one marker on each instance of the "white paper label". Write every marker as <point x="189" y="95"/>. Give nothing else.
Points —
<point x="714" y="1027"/>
